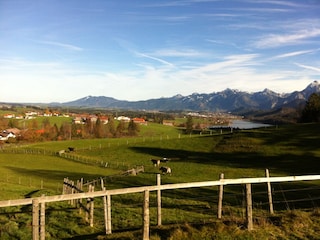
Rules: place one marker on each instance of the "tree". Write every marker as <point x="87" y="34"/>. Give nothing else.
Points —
<point x="98" y="129"/>
<point x="311" y="111"/>
<point x="120" y="129"/>
<point x="189" y="125"/>
<point x="133" y="128"/>
<point x="54" y="131"/>
<point x="111" y="129"/>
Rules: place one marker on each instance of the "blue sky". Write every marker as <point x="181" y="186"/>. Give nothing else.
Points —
<point x="58" y="51"/>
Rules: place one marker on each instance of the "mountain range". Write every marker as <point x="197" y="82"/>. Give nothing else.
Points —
<point x="229" y="100"/>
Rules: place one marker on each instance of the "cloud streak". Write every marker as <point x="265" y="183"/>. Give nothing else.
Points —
<point x="297" y="53"/>
<point x="277" y="40"/>
<point x="308" y="67"/>
<point x="62" y="45"/>
<point x="154" y="58"/>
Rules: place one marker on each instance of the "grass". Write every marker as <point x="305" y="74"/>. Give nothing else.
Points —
<point x="189" y="213"/>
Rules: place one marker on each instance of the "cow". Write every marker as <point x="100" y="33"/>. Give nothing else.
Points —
<point x="164" y="160"/>
<point x="156" y="162"/>
<point x="165" y="170"/>
<point x="71" y="149"/>
<point x="61" y="152"/>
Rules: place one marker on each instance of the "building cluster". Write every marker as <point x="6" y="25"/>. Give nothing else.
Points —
<point x="6" y="134"/>
<point x="33" y="114"/>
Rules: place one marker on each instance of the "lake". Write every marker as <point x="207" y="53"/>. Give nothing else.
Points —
<point x="243" y="124"/>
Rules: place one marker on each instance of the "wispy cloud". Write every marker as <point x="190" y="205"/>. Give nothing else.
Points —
<point x="62" y="45"/>
<point x="229" y="62"/>
<point x="178" y="53"/>
<point x="278" y="2"/>
<point x="308" y="67"/>
<point x="154" y="58"/>
<point x="276" y="40"/>
<point x="296" y="53"/>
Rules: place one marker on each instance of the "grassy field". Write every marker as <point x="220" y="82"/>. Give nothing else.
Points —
<point x="284" y="150"/>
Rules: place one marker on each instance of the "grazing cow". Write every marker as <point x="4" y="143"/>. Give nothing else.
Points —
<point x="61" y="152"/>
<point x="164" y="160"/>
<point x="156" y="162"/>
<point x="71" y="149"/>
<point x="165" y="170"/>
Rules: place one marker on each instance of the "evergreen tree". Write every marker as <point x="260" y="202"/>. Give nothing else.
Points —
<point x="111" y="129"/>
<point x="120" y="129"/>
<point x="189" y="125"/>
<point x="133" y="128"/>
<point x="311" y="111"/>
<point x="98" y="129"/>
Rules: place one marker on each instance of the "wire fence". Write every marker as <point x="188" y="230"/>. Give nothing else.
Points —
<point x="195" y="204"/>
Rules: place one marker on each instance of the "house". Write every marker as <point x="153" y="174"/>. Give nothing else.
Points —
<point x="139" y="121"/>
<point x="9" y="115"/>
<point x="9" y="133"/>
<point x="104" y="119"/>
<point x="123" y="118"/>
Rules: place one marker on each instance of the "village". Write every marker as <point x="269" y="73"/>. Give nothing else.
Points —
<point x="15" y="124"/>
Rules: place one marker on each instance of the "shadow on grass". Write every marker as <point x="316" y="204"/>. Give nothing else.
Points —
<point x="54" y="175"/>
<point x="286" y="163"/>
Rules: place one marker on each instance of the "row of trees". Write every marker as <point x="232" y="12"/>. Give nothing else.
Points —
<point x="68" y="130"/>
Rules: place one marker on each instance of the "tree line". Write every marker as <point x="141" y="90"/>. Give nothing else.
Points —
<point x="32" y="132"/>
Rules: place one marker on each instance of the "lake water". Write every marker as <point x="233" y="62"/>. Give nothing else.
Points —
<point x="242" y="124"/>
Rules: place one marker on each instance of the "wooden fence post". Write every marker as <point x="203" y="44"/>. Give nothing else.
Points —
<point x="269" y="193"/>
<point x="72" y="192"/>
<point x="159" y="200"/>
<point x="80" y="200"/>
<point x="249" y="207"/>
<point x="91" y="208"/>
<point x="107" y="210"/>
<point x="87" y="209"/>
<point x="146" y="217"/>
<point x="35" y="219"/>
<point x="109" y="230"/>
<point x="220" y="197"/>
<point x="64" y="189"/>
<point x="42" y="221"/>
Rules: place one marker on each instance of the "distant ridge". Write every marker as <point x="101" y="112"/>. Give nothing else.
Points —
<point x="228" y="100"/>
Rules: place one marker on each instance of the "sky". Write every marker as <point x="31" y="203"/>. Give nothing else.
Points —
<point x="60" y="51"/>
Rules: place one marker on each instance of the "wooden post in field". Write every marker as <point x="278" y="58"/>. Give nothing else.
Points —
<point x="35" y="219"/>
<point x="64" y="186"/>
<point x="72" y="192"/>
<point x="146" y="217"/>
<point x="159" y="200"/>
<point x="80" y="200"/>
<point x="42" y="221"/>
<point x="91" y="208"/>
<point x="219" y="215"/>
<point x="249" y="207"/>
<point x="269" y="193"/>
<point x="109" y="230"/>
<point x="105" y="209"/>
<point x="88" y="209"/>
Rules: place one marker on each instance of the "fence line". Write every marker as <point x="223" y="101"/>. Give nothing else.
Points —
<point x="106" y="194"/>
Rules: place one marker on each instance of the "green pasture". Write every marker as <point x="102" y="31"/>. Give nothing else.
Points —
<point x="284" y="150"/>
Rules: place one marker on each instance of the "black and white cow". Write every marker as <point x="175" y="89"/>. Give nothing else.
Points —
<point x="164" y="160"/>
<point x="155" y="162"/>
<point x="165" y="170"/>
